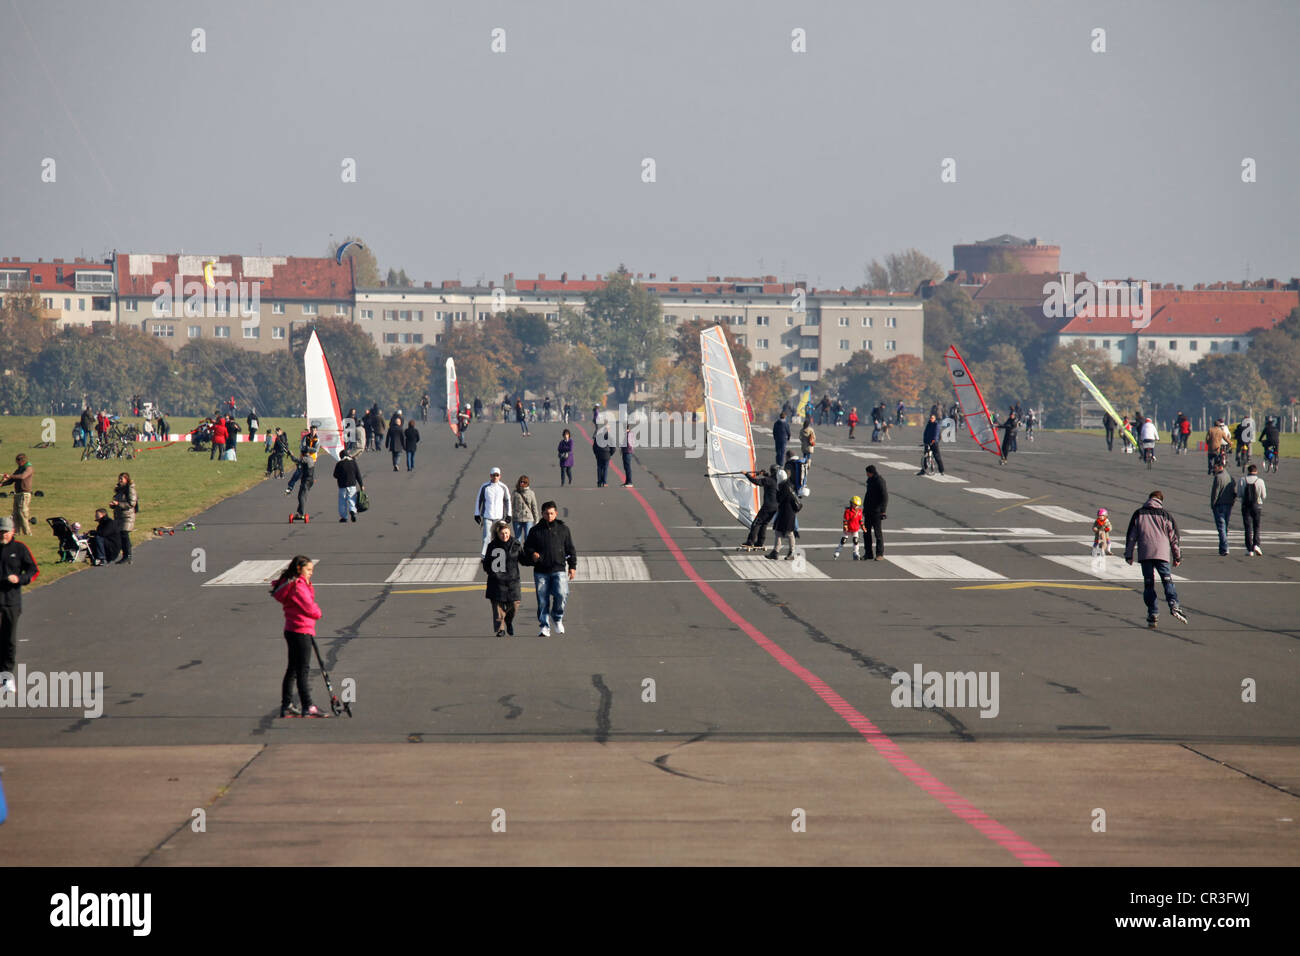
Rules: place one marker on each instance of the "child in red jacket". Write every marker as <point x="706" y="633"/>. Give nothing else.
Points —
<point x="293" y="589"/>
<point x="852" y="526"/>
<point x="853" y="421"/>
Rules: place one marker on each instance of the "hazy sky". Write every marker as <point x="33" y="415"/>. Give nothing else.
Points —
<point x="472" y="163"/>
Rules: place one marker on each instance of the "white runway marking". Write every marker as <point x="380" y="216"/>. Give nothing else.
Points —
<point x="995" y="493"/>
<point x="947" y="566"/>
<point x="1058" y="513"/>
<point x="249" y="572"/>
<point x="1114" y="568"/>
<point x="755" y="567"/>
<point x="428" y="570"/>
<point x="951" y="479"/>
<point x="612" y="568"/>
<point x="900" y="465"/>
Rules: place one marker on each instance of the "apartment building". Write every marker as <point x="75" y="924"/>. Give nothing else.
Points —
<point x="75" y="293"/>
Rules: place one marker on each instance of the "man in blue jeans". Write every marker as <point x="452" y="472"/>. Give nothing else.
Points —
<point x="549" y="550"/>
<point x="1223" y="494"/>
<point x="1153" y="539"/>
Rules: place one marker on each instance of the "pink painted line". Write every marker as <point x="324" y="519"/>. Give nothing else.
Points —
<point x="1024" y="851"/>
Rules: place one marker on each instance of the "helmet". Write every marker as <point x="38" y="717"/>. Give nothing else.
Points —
<point x="855" y="501"/>
<point x="1101" y="512"/>
<point x="76" y="526"/>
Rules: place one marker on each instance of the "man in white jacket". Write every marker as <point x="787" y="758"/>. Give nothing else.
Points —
<point x="491" y="505"/>
<point x="1251" y="492"/>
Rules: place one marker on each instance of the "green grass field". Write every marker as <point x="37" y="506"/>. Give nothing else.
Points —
<point x="172" y="482"/>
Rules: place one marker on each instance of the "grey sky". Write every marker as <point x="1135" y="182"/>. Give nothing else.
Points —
<point x="472" y="164"/>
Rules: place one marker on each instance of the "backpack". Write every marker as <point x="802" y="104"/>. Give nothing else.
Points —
<point x="1250" y="495"/>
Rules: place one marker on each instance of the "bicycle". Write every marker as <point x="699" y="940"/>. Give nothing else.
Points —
<point x="1270" y="459"/>
<point x="1149" y="454"/>
<point x="1243" y="456"/>
<point x="928" y="464"/>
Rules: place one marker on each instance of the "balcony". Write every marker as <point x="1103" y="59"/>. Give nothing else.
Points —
<point x="810" y="353"/>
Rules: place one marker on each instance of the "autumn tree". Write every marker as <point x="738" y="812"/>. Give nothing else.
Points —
<point x="365" y="265"/>
<point x="1232" y="381"/>
<point x="628" y="330"/>
<point x="903" y="271"/>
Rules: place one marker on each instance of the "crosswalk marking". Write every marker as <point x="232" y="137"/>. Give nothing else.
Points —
<point x="943" y="566"/>
<point x="249" y="572"/>
<point x="755" y="567"/>
<point x="1113" y="568"/>
<point x="612" y="568"/>
<point x="994" y="492"/>
<point x="899" y="465"/>
<point x="951" y="479"/>
<point x="426" y="570"/>
<point x="1058" y="513"/>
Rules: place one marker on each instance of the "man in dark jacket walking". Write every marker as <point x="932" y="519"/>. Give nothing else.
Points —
<point x="767" y="510"/>
<point x="17" y="568"/>
<point x="1152" y="538"/>
<point x="348" y="476"/>
<point x="781" y="435"/>
<point x="602" y="446"/>
<point x="874" y="505"/>
<point x="549" y="551"/>
<point x="396" y="439"/>
<point x="1223" y="494"/>
<point x="787" y="506"/>
<point x="412" y="442"/>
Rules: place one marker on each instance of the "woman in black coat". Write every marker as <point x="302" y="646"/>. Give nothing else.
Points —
<point x="501" y="562"/>
<point x="787" y="506"/>
<point x="412" y="441"/>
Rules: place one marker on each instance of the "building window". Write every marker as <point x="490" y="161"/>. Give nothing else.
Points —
<point x="810" y="319"/>
<point x="762" y="366"/>
<point x="340" y="310"/>
<point x="866" y="344"/>
<point x="163" y="330"/>
<point x="1105" y="343"/>
<point x="367" y="313"/>
<point x="160" y="308"/>
<point x="844" y="321"/>
<point x="252" y="332"/>
<point x="763" y="320"/>
<point x="810" y="365"/>
<point x="807" y="343"/>
<point x="484" y="316"/>
<point x="97" y="281"/>
<point x="891" y="322"/>
<point x="221" y="307"/>
<point x="419" y="315"/>
<point x="1151" y="345"/>
<point x="195" y="332"/>
<point x="891" y="345"/>
<point x="552" y="316"/>
<point x="49" y="304"/>
<point x="1191" y="346"/>
<point x="844" y="344"/>
<point x="866" y="321"/>
<point x="1092" y="343"/>
<point x="1173" y="345"/>
<point x="67" y="307"/>
<point x="130" y="305"/>
<point x="277" y="308"/>
<point x="1236" y="346"/>
<point x="277" y="331"/>
<point x="404" y="315"/>
<point x="1214" y="346"/>
<point x="310" y="308"/>
<point x="670" y="319"/>
<point x="221" y="332"/>
<point x="390" y="315"/>
<point x="740" y="340"/>
<point x="761" y="343"/>
<point x="789" y="320"/>
<point x="81" y="305"/>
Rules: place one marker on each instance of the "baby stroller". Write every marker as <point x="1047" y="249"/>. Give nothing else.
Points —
<point x="200" y="437"/>
<point x="73" y="545"/>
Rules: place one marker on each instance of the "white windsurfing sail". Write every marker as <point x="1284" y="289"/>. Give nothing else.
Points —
<point x="1106" y="405"/>
<point x="322" y="399"/>
<point x="971" y="400"/>
<point x="729" y="442"/>
<point x="453" y="394"/>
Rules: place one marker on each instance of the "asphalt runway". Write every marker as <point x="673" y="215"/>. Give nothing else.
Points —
<point x="990" y="572"/>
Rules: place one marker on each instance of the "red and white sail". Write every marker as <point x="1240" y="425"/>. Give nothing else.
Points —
<point x="453" y="394"/>
<point x="729" y="443"/>
<point x="323" y="409"/>
<point x="971" y="400"/>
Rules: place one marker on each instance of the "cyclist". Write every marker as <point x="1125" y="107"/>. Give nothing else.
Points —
<point x="1184" y="432"/>
<point x="1269" y="438"/>
<point x="1148" y="436"/>
<point x="1217" y="440"/>
<point x="1245" y="436"/>
<point x="930" y="441"/>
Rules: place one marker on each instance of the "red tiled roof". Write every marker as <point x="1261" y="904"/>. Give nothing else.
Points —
<point x="1019" y="288"/>
<point x="280" y="277"/>
<point x="44" y="275"/>
<point x="1181" y="318"/>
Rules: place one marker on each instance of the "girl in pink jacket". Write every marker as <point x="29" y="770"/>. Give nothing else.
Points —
<point x="301" y="612"/>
